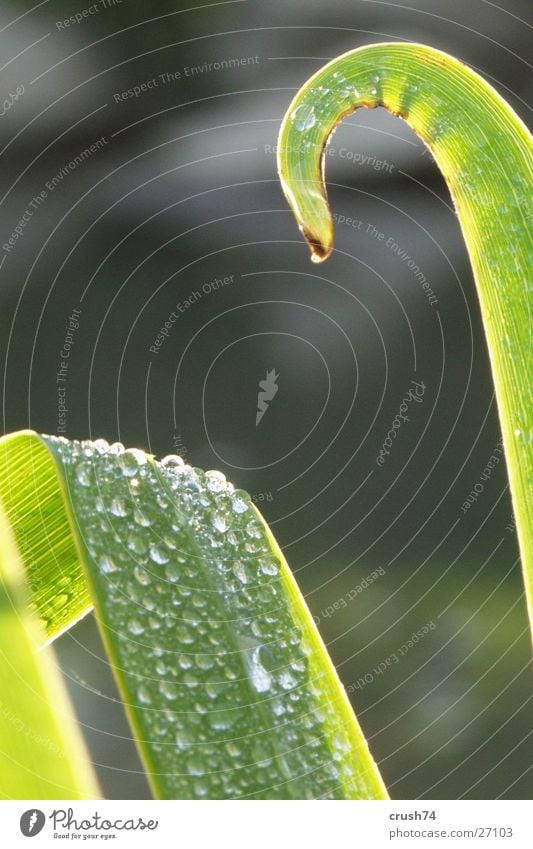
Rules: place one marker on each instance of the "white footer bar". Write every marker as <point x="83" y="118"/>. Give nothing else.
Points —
<point x="266" y="825"/>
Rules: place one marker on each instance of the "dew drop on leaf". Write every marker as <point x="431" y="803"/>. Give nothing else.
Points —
<point x="143" y="694"/>
<point x="215" y="481"/>
<point x="168" y="690"/>
<point x="107" y="564"/>
<point x="260" y="678"/>
<point x="84" y="474"/>
<point x="130" y="461"/>
<point x="142" y="576"/>
<point x="158" y="554"/>
<point x="118" y="507"/>
<point x="171" y="461"/>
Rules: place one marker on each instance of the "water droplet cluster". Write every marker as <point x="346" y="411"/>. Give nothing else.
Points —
<point x="218" y="667"/>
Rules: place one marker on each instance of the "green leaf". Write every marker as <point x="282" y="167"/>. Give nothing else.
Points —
<point x="225" y="680"/>
<point x="42" y="753"/>
<point x="486" y="156"/>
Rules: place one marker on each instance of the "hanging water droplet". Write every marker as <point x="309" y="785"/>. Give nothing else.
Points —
<point x="304" y="117"/>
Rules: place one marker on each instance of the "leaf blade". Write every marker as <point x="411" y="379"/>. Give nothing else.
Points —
<point x="43" y="756"/>
<point x="223" y="675"/>
<point x="485" y="153"/>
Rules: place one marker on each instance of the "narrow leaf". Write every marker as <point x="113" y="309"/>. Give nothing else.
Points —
<point x="31" y="494"/>
<point x="486" y="156"/>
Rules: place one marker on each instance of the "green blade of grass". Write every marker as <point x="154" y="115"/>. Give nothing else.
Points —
<point x="486" y="156"/>
<point x="41" y="751"/>
<point x="225" y="680"/>
<point x="35" y="508"/>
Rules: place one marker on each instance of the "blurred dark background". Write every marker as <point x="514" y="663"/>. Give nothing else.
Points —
<point x="180" y="192"/>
